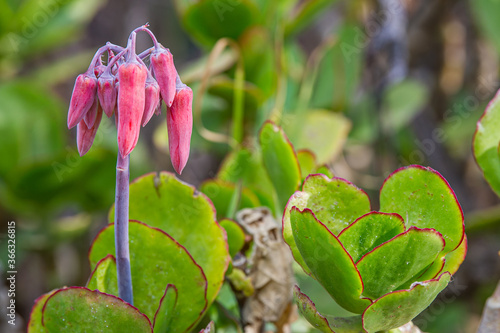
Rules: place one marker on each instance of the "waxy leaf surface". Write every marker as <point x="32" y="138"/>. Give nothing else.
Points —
<point x="35" y="321"/>
<point x="327" y="259"/>
<point x="398" y="308"/>
<point x="369" y="231"/>
<point x="393" y="263"/>
<point x="156" y="260"/>
<point x="104" y="277"/>
<point x="164" y="316"/>
<point x="79" y="309"/>
<point x="425" y="200"/>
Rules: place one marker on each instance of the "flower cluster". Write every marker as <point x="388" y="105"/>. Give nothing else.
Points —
<point x="126" y="87"/>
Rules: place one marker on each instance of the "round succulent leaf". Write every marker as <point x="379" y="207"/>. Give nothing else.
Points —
<point x="307" y="162"/>
<point x="370" y="231"/>
<point x="156" y="260"/>
<point x="235" y="236"/>
<point x="78" y="309"/>
<point x="328" y="261"/>
<point x="280" y="161"/>
<point x="221" y="193"/>
<point x="393" y="263"/>
<point x="336" y="202"/>
<point x="399" y="307"/>
<point x="486" y="142"/>
<point x="35" y="321"/>
<point x="165" y="313"/>
<point x="425" y="200"/>
<point x="104" y="277"/>
<point x="163" y="201"/>
<point x="307" y="309"/>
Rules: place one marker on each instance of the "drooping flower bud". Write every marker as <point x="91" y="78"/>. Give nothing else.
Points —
<point x="107" y="93"/>
<point x="85" y="136"/>
<point x="152" y="99"/>
<point x="162" y="62"/>
<point x="82" y="98"/>
<point x="180" y="127"/>
<point x="91" y="115"/>
<point x="131" y="99"/>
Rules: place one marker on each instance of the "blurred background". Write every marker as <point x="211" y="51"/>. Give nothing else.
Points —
<point x="379" y="84"/>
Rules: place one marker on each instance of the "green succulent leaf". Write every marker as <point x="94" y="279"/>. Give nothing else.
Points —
<point x="280" y="161"/>
<point x="307" y="309"/>
<point x="35" y="321"/>
<point x="221" y="192"/>
<point x="486" y="143"/>
<point x="335" y="202"/>
<point x="157" y="260"/>
<point x="353" y="324"/>
<point x="104" y="277"/>
<point x="327" y="259"/>
<point x="398" y="308"/>
<point x="78" y="309"/>
<point x="325" y="170"/>
<point x="370" y="231"/>
<point x="425" y="200"/>
<point x="165" y="314"/>
<point x="454" y="259"/>
<point x="235" y="236"/>
<point x="395" y="262"/>
<point x="428" y="273"/>
<point x="188" y="216"/>
<point x="307" y="162"/>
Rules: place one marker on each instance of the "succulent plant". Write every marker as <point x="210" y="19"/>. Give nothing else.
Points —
<point x="386" y="267"/>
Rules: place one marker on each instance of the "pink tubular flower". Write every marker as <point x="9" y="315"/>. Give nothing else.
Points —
<point x="131" y="100"/>
<point x="82" y="98"/>
<point x="85" y="135"/>
<point x="180" y="127"/>
<point x="162" y="62"/>
<point x="152" y="101"/>
<point x="91" y="115"/>
<point x="107" y="92"/>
